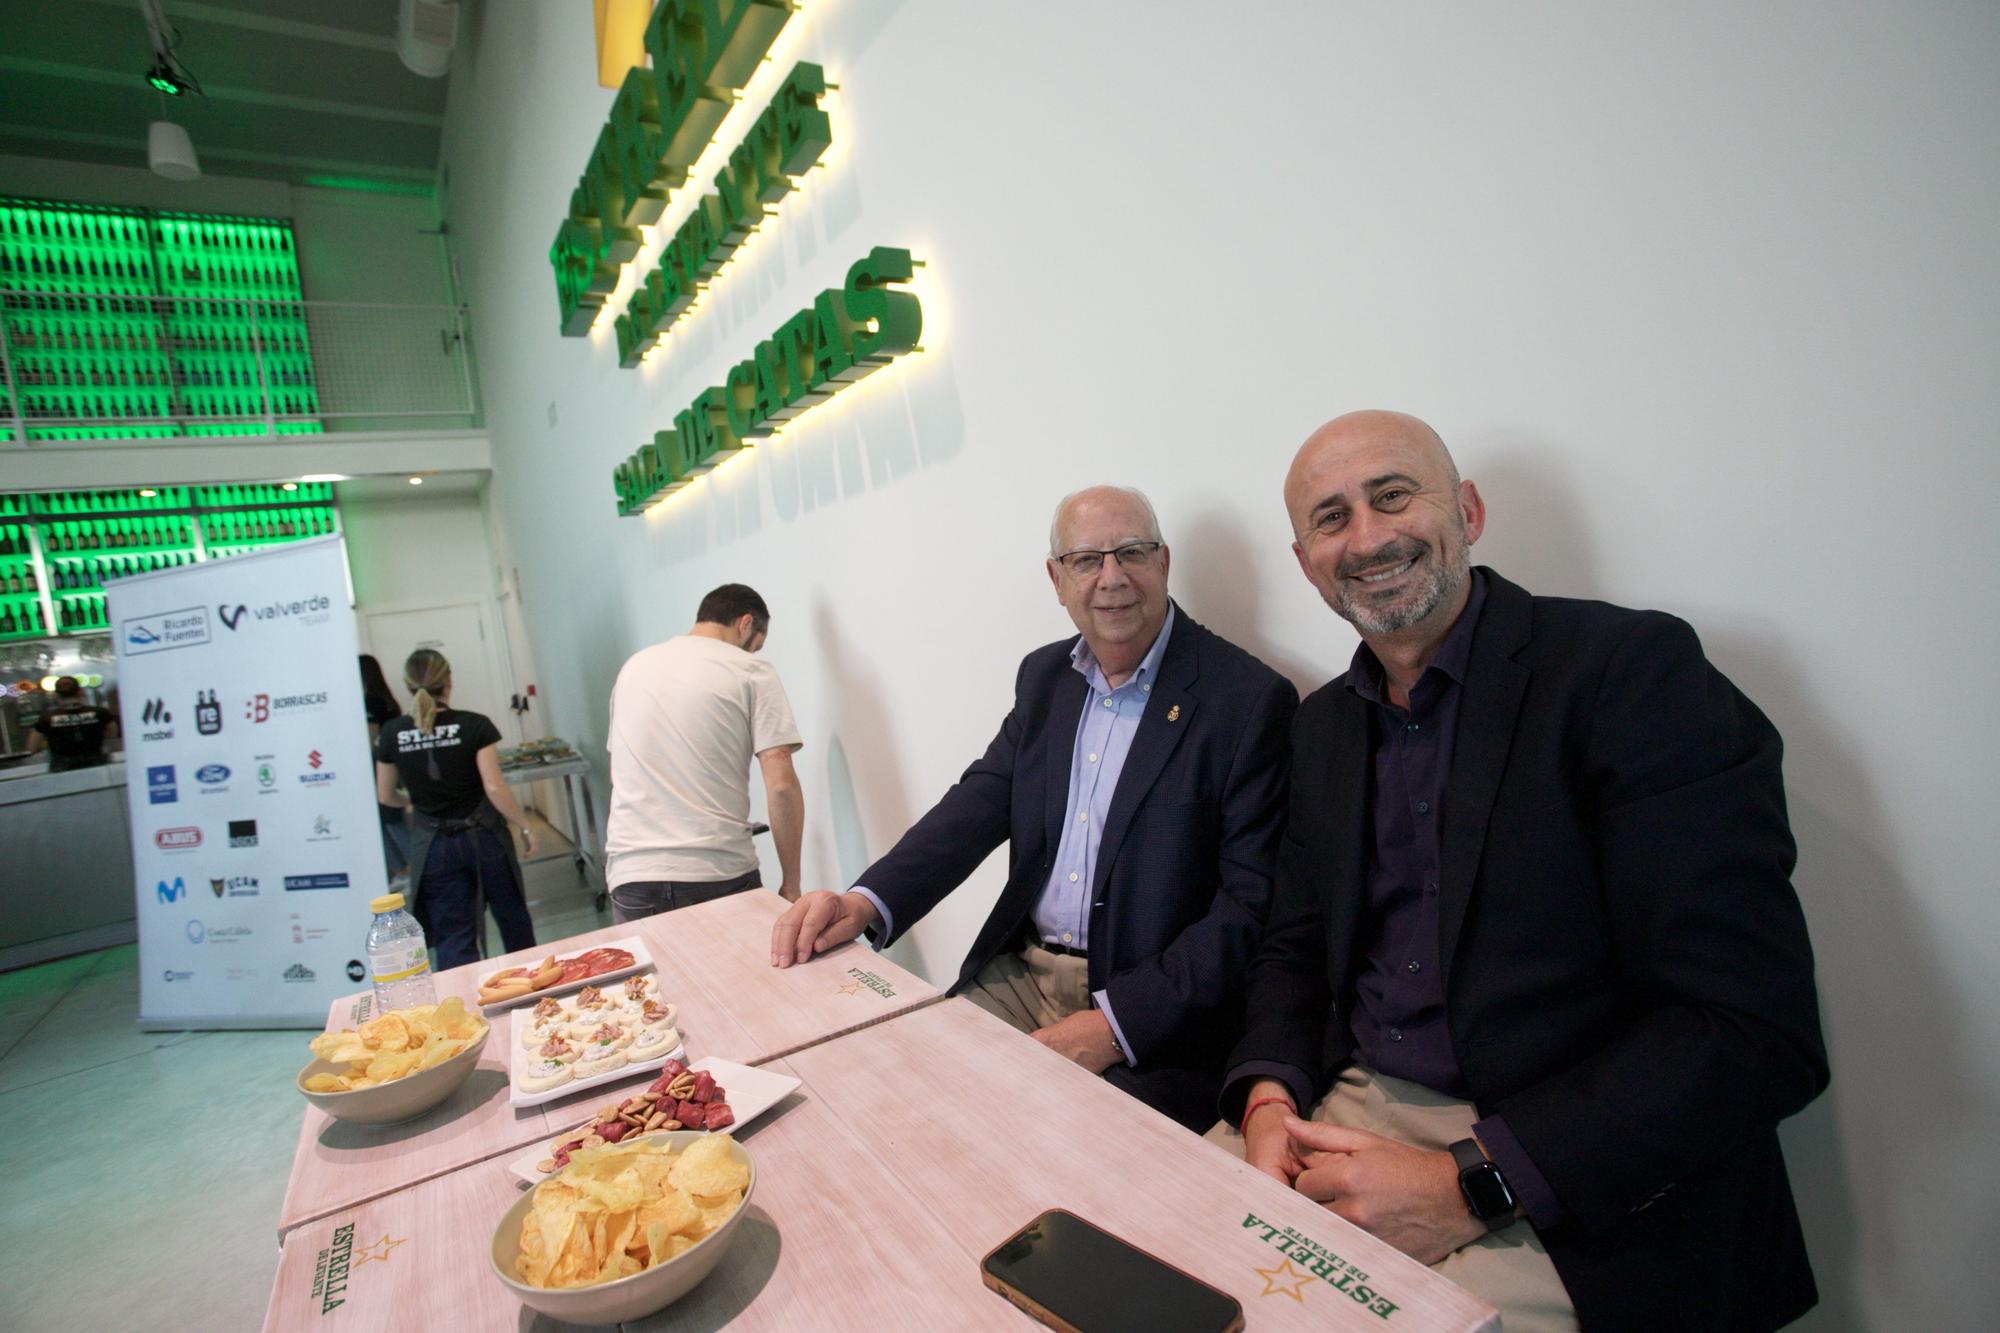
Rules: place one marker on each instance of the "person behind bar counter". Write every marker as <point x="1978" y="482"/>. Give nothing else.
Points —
<point x="461" y="859"/>
<point x="72" y="731"/>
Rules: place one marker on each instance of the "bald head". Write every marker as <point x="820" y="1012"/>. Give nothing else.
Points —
<point x="1371" y="429"/>
<point x="1383" y="525"/>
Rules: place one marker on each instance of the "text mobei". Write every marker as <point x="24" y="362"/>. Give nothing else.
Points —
<point x="846" y="334"/>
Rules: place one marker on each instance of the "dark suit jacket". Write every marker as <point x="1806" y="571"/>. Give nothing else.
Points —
<point x="1184" y="867"/>
<point x="1627" y="975"/>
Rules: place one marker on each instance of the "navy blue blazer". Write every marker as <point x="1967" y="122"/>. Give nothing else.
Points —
<point x="1184" y="869"/>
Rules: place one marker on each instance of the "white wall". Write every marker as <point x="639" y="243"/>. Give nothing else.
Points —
<point x="1702" y="295"/>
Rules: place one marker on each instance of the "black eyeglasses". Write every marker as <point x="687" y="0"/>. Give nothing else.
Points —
<point x="1132" y="555"/>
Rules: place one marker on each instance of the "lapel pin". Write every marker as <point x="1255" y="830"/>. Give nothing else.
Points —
<point x="1174" y="713"/>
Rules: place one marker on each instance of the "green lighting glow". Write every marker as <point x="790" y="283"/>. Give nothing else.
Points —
<point x="370" y="185"/>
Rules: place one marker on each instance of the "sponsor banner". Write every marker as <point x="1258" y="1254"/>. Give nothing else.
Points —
<point x="250" y="733"/>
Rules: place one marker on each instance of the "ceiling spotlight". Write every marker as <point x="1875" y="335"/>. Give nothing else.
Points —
<point x="148" y="492"/>
<point x="288" y="485"/>
<point x="416" y="481"/>
<point x="162" y="76"/>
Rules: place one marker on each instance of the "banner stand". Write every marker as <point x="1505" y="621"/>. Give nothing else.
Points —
<point x="255" y="840"/>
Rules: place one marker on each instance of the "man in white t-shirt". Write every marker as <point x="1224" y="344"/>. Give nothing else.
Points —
<point x="686" y="717"/>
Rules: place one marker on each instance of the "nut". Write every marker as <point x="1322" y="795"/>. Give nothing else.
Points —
<point x="546" y="1165"/>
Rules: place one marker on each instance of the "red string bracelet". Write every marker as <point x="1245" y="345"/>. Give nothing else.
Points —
<point x="1243" y="1124"/>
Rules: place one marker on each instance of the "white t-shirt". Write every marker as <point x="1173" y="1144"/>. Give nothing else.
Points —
<point x="687" y="717"/>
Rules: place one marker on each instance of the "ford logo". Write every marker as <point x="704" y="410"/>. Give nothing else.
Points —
<point x="212" y="773"/>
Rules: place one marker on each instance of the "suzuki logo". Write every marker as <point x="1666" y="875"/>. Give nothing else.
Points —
<point x="231" y="615"/>
<point x="156" y="713"/>
<point x="313" y="761"/>
<point x="207" y="713"/>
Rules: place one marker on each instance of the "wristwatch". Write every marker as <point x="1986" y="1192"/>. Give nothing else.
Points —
<point x="1486" y="1194"/>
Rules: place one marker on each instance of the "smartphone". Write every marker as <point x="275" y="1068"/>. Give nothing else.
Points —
<point x="1079" y="1278"/>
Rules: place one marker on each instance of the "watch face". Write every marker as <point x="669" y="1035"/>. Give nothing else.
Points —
<point x="1486" y="1191"/>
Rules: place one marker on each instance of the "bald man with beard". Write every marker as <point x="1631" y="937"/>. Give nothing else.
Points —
<point x="1535" y="990"/>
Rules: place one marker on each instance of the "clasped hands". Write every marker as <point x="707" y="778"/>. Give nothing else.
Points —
<point x="823" y="920"/>
<point x="1406" y="1196"/>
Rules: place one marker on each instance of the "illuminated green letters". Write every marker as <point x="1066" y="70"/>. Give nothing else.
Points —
<point x="661" y="120"/>
<point x="786" y="140"/>
<point x="846" y="335"/>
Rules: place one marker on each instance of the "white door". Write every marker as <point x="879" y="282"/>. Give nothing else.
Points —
<point x="478" y="683"/>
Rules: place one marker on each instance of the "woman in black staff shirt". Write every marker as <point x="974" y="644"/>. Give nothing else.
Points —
<point x="460" y="855"/>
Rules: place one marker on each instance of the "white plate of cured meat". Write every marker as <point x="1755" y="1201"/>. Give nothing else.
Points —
<point x="577" y="968"/>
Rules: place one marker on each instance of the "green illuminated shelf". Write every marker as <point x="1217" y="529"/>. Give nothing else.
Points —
<point x="59" y="550"/>
<point x="134" y="318"/>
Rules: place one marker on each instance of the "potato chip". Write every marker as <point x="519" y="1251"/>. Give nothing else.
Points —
<point x="326" y="1083"/>
<point x="617" y="1210"/>
<point x="396" y="1044"/>
<point x="707" y="1168"/>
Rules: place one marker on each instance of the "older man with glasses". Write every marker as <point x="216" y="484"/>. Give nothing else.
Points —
<point x="1140" y="784"/>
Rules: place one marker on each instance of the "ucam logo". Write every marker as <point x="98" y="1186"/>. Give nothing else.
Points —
<point x="172" y="893"/>
<point x="235" y="886"/>
<point x="170" y="629"/>
<point x="160" y="786"/>
<point x="294" y="883"/>
<point x="177" y="839"/>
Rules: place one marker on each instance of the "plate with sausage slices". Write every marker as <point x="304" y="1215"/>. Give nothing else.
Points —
<point x="558" y="973"/>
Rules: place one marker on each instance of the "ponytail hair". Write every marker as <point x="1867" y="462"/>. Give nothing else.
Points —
<point x="428" y="674"/>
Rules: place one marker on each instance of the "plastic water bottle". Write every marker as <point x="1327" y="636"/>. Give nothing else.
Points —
<point x="398" y="956"/>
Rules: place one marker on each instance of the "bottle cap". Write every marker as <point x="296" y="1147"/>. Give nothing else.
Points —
<point x="388" y="902"/>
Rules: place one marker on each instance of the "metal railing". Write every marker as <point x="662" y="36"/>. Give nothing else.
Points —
<point x="101" y="366"/>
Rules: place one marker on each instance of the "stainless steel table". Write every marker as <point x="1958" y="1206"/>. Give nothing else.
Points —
<point x="575" y="774"/>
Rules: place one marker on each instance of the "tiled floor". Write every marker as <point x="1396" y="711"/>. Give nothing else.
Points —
<point x="143" y="1170"/>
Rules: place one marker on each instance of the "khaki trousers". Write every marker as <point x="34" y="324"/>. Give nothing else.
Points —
<point x="1033" y="988"/>
<point x="1509" y="1269"/>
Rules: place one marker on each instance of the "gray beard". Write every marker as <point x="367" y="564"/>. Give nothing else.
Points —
<point x="1444" y="577"/>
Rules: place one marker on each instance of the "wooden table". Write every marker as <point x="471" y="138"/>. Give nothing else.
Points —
<point x="830" y="1241"/>
<point x="339" y="1164"/>
<point x="994" y="1128"/>
<point x="725" y="947"/>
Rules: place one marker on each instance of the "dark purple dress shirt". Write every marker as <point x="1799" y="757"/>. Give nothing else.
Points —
<point x="1398" y="1018"/>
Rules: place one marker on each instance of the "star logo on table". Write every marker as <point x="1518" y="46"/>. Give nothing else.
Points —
<point x="851" y="988"/>
<point x="1284" y="1280"/>
<point x="378" y="1252"/>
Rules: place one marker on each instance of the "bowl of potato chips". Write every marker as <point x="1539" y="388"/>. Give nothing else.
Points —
<point x="396" y="1066"/>
<point x="625" y="1229"/>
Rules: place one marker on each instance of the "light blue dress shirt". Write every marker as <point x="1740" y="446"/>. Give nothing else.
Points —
<point x="1103" y="738"/>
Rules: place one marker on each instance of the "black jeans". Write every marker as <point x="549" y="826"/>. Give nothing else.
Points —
<point x="650" y="897"/>
<point x="459" y="867"/>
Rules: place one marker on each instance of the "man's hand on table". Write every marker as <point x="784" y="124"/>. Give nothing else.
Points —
<point x="819" y="921"/>
<point x="1085" y="1038"/>
<point x="1406" y="1196"/>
